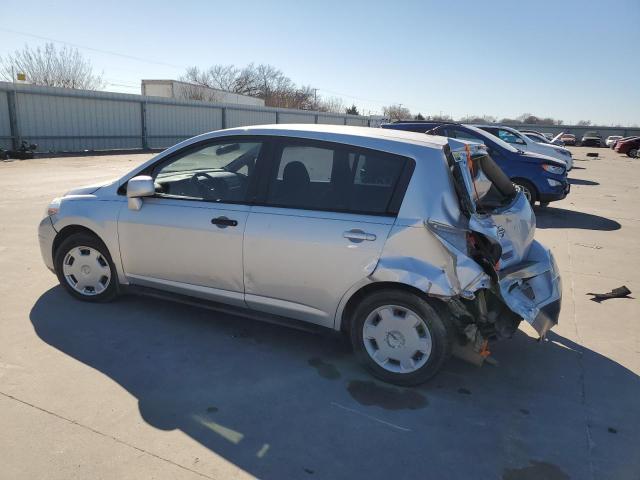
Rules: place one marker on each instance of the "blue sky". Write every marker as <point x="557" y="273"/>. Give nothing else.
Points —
<point x="566" y="59"/>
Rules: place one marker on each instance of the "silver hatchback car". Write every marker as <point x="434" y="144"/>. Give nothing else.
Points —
<point x="411" y="245"/>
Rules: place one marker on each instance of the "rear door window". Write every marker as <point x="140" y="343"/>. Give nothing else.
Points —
<point x="325" y="176"/>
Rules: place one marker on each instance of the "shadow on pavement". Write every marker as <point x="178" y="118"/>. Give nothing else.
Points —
<point x="552" y="217"/>
<point x="578" y="181"/>
<point x="281" y="403"/>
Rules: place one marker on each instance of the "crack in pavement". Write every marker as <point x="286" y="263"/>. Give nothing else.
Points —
<point x="122" y="442"/>
<point x="583" y="392"/>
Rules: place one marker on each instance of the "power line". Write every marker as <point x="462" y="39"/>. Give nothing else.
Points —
<point x="155" y="62"/>
<point x="108" y="52"/>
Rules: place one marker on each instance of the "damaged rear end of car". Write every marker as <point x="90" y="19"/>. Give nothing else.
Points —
<point x="472" y="247"/>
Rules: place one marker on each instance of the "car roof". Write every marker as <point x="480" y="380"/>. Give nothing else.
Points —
<point x="339" y="133"/>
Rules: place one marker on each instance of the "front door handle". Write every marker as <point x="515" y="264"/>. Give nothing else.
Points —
<point x="224" y="222"/>
<point x="356" y="235"/>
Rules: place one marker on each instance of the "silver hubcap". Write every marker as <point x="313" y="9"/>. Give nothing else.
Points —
<point x="86" y="270"/>
<point x="397" y="339"/>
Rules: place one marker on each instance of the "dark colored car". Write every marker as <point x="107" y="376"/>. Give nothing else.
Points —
<point x="629" y="146"/>
<point x="591" y="139"/>
<point x="543" y="179"/>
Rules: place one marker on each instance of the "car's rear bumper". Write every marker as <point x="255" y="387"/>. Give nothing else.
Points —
<point x="46" y="236"/>
<point x="533" y="289"/>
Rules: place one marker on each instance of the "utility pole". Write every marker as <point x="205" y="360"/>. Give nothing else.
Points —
<point x="315" y="98"/>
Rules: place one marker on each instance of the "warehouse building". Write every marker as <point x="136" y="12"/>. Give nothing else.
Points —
<point x="188" y="91"/>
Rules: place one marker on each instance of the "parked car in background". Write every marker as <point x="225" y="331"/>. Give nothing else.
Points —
<point x="542" y="178"/>
<point x="418" y="126"/>
<point x="620" y="140"/>
<point x="568" y="139"/>
<point x="520" y="141"/>
<point x="611" y="140"/>
<point x="591" y="139"/>
<point x="629" y="146"/>
<point x="549" y="136"/>
<point x="406" y="243"/>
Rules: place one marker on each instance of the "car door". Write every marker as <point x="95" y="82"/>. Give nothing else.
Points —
<point x="325" y="213"/>
<point x="188" y="236"/>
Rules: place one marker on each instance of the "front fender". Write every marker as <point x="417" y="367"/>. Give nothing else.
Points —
<point x="99" y="216"/>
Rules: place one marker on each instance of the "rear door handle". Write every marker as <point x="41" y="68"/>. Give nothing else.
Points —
<point x="357" y="235"/>
<point x="224" y="222"/>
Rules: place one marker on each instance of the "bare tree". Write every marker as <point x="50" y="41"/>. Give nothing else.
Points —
<point x="584" y="123"/>
<point x="65" y="67"/>
<point x="396" y="112"/>
<point x="478" y="119"/>
<point x="331" y="104"/>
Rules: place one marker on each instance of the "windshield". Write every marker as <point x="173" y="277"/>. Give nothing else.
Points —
<point x="493" y="138"/>
<point x="537" y="138"/>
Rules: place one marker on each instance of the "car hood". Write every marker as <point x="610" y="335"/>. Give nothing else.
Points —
<point x="88" y="189"/>
<point x="544" y="158"/>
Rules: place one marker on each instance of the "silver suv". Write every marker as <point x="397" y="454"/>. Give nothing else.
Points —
<point x="411" y="245"/>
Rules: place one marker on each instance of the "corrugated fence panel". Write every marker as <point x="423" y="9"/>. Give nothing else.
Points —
<point x="60" y="119"/>
<point x="287" y="117"/>
<point x="331" y="119"/>
<point x="5" y="127"/>
<point x="169" y="124"/>
<point x="358" y="122"/>
<point x="78" y="123"/>
<point x="241" y="118"/>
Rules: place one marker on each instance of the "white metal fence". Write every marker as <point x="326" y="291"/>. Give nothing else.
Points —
<point x="60" y="119"/>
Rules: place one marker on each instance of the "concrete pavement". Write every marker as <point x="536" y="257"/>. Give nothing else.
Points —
<point x="143" y="388"/>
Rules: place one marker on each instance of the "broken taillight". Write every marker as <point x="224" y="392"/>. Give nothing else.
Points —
<point x="480" y="248"/>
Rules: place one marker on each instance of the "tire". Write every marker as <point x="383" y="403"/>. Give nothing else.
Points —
<point x="530" y="190"/>
<point x="378" y="314"/>
<point x="633" y="153"/>
<point x="544" y="204"/>
<point x="83" y="259"/>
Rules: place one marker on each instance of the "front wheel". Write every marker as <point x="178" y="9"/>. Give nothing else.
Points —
<point x="528" y="189"/>
<point x="84" y="267"/>
<point x="400" y="338"/>
<point x="633" y="153"/>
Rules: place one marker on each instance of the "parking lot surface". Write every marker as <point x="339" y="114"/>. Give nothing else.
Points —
<point x="144" y="388"/>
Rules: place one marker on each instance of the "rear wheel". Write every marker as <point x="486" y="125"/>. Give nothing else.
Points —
<point x="84" y="267"/>
<point x="399" y="337"/>
<point x="633" y="153"/>
<point x="528" y="189"/>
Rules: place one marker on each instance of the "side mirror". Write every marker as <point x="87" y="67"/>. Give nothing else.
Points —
<point x="138" y="187"/>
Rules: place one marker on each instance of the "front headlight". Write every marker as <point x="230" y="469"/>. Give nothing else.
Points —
<point x="54" y="207"/>
<point x="553" y="168"/>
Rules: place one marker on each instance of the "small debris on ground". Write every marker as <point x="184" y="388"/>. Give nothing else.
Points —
<point x="620" y="292"/>
<point x="594" y="246"/>
<point x="592" y="154"/>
